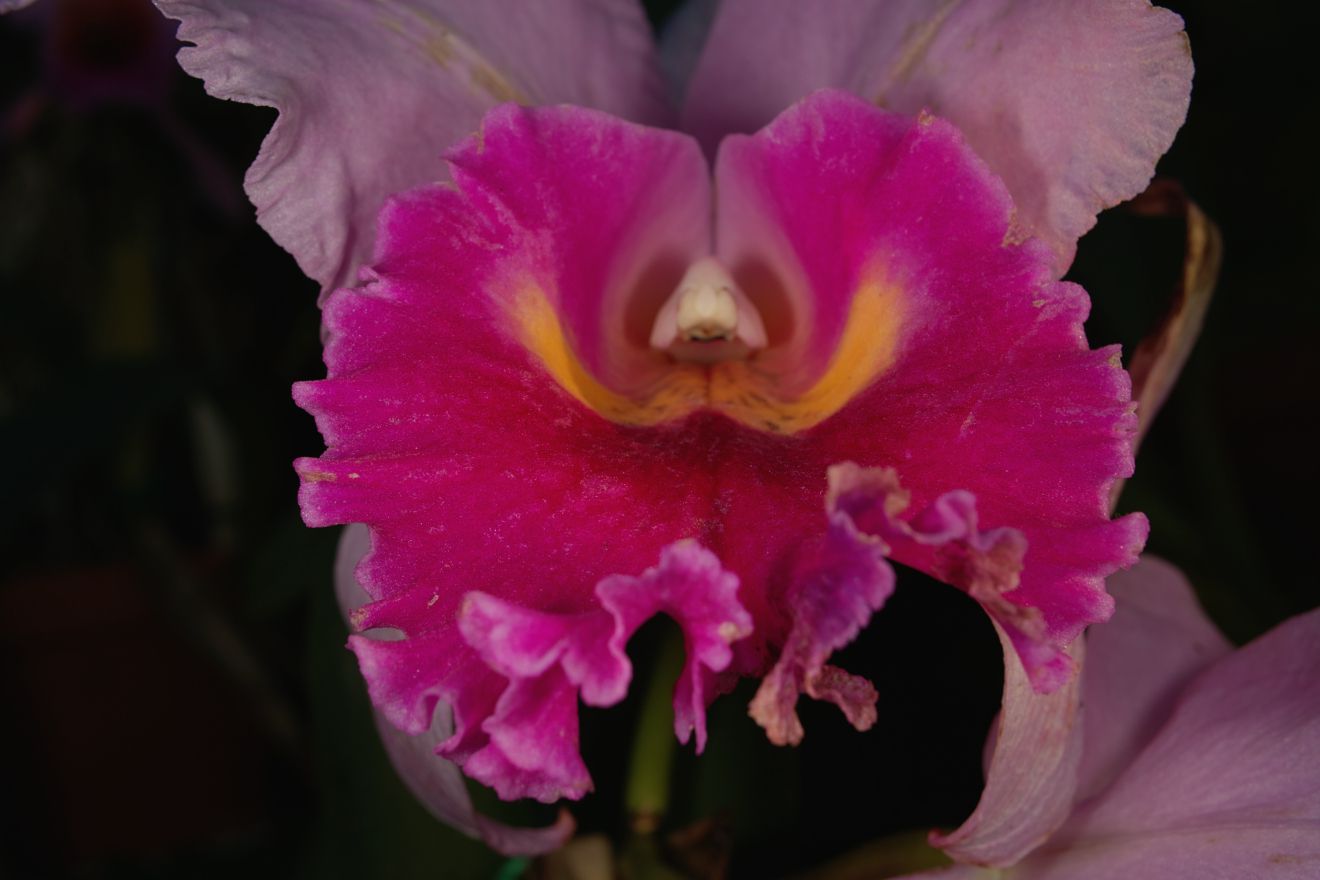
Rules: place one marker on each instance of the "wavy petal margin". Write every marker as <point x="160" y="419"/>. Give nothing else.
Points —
<point x="549" y="659"/>
<point x="481" y="471"/>
<point x="845" y="578"/>
<point x="952" y="357"/>
<point x="1070" y="103"/>
<point x="370" y="95"/>
<point x="505" y="476"/>
<point x="434" y="781"/>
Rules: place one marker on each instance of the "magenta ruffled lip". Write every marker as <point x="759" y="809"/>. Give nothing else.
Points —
<point x="524" y="527"/>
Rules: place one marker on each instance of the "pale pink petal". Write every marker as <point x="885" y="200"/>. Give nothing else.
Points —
<point x="13" y="5"/>
<point x="959" y="872"/>
<point x="682" y="40"/>
<point x="371" y="94"/>
<point x="1138" y="662"/>
<point x="437" y="783"/>
<point x="1071" y="103"/>
<point x="1229" y="787"/>
<point x="1279" y="850"/>
<point x="1032" y="772"/>
<point x="932" y="343"/>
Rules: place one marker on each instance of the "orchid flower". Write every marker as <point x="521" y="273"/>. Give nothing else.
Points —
<point x="1189" y="759"/>
<point x="583" y="369"/>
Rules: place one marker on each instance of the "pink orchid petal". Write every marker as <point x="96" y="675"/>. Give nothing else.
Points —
<point x="474" y="470"/>
<point x="681" y="41"/>
<point x="1230" y="786"/>
<point x="845" y="577"/>
<point x="492" y="465"/>
<point x="837" y="585"/>
<point x="1032" y="772"/>
<point x="533" y="749"/>
<point x="14" y="5"/>
<point x="1156" y="642"/>
<point x="1043" y="761"/>
<point x="960" y="872"/>
<point x="987" y="564"/>
<point x="1067" y="144"/>
<point x="371" y="94"/>
<point x="983" y="382"/>
<point x="1280" y="850"/>
<point x="693" y="588"/>
<point x="437" y="783"/>
<point x="550" y="658"/>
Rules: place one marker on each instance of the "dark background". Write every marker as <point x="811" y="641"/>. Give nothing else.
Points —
<point x="177" y="700"/>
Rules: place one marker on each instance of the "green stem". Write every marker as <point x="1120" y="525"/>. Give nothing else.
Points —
<point x="654" y="744"/>
<point x="513" y="869"/>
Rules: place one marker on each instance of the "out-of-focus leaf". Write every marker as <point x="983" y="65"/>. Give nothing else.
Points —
<point x="584" y="858"/>
<point x="1158" y="360"/>
<point x="289" y="565"/>
<point x="890" y="856"/>
<point x="90" y="414"/>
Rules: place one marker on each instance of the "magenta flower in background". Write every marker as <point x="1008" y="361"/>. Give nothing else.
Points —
<point x="568" y="393"/>
<point x="1187" y="759"/>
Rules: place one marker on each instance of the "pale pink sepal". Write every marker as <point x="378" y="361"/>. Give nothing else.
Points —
<point x="1156" y="642"/>
<point x="434" y="781"/>
<point x="1032" y="772"/>
<point x="370" y="95"/>
<point x="1201" y="762"/>
<point x="1070" y="103"/>
<point x="1230" y="785"/>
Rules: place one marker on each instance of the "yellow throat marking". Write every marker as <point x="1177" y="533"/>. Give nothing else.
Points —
<point x="866" y="349"/>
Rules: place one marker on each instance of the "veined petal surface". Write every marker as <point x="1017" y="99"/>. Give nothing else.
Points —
<point x="371" y="93"/>
<point x="1229" y="786"/>
<point x="1158" y="641"/>
<point x="1070" y="102"/>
